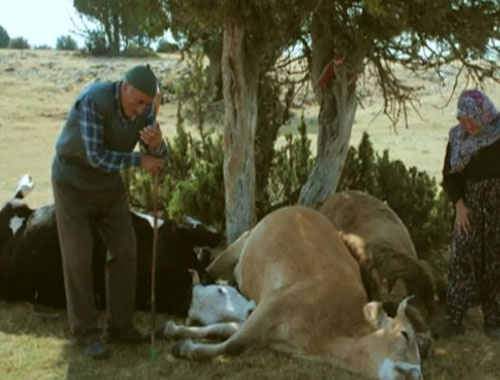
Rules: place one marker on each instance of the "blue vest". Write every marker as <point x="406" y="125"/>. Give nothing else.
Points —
<point x="70" y="164"/>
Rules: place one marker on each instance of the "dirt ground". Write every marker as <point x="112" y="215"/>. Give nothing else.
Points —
<point x="38" y="87"/>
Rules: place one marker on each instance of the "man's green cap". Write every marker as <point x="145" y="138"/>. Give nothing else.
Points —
<point x="142" y="78"/>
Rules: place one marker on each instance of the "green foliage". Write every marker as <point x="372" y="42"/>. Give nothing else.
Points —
<point x="192" y="181"/>
<point x="66" y="43"/>
<point x="4" y="38"/>
<point x="411" y="193"/>
<point x="137" y="51"/>
<point x="194" y="90"/>
<point x="415" y="35"/>
<point x="289" y="169"/>
<point x="196" y="86"/>
<point x="95" y="43"/>
<point x="19" y="43"/>
<point x="123" y="21"/>
<point x="42" y="47"/>
<point x="279" y="163"/>
<point x="165" y="46"/>
<point x="201" y="194"/>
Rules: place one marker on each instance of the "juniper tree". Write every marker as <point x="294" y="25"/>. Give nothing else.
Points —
<point x="375" y="37"/>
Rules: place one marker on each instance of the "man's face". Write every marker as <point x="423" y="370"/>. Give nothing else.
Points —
<point x="134" y="102"/>
<point x="468" y="125"/>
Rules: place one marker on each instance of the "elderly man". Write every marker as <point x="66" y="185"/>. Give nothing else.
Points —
<point x="103" y="126"/>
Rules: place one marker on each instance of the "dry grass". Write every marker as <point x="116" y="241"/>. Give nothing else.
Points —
<point x="37" y="89"/>
<point x="36" y="346"/>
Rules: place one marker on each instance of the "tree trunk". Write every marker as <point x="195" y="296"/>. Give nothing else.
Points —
<point x="240" y="74"/>
<point x="115" y="46"/>
<point x="336" y="116"/>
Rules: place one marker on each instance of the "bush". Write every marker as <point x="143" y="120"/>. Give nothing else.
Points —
<point x="288" y="171"/>
<point x="19" y="43"/>
<point x="137" y="51"/>
<point x="191" y="182"/>
<point x="411" y="193"/>
<point x="164" y="46"/>
<point x="42" y="47"/>
<point x="95" y="43"/>
<point x="4" y="38"/>
<point x="66" y="43"/>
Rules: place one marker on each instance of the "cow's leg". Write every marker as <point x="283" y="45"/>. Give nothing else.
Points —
<point x="268" y="324"/>
<point x="223" y="265"/>
<point x="216" y="331"/>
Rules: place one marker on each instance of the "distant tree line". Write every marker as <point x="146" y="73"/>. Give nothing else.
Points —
<point x="63" y="42"/>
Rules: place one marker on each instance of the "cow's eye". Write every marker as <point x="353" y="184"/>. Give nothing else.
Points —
<point x="406" y="335"/>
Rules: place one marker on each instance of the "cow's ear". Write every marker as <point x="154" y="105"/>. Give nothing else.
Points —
<point x="375" y="315"/>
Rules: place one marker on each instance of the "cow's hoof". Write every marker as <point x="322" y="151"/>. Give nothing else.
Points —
<point x="181" y="348"/>
<point x="169" y="331"/>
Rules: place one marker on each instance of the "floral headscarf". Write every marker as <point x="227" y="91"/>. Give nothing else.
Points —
<point x="476" y="105"/>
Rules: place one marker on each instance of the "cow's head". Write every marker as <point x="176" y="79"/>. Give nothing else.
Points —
<point x="392" y="348"/>
<point x="217" y="303"/>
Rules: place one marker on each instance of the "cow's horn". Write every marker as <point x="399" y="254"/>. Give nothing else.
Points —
<point x="194" y="276"/>
<point x="402" y="306"/>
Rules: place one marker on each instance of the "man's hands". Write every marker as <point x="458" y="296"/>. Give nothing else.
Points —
<point x="151" y="136"/>
<point x="462" y="223"/>
<point x="152" y="164"/>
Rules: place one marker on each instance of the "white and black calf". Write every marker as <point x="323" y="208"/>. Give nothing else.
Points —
<point x="30" y="257"/>
<point x="219" y="308"/>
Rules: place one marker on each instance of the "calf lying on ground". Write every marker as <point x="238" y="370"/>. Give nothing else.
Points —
<point x="30" y="258"/>
<point x="310" y="302"/>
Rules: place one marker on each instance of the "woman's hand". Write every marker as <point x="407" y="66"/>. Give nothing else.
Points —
<point x="462" y="223"/>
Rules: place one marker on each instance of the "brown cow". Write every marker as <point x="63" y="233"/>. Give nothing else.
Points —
<point x="382" y="245"/>
<point x="378" y="239"/>
<point x="310" y="302"/>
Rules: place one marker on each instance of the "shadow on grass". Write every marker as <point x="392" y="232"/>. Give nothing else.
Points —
<point x="40" y="347"/>
<point x="26" y="318"/>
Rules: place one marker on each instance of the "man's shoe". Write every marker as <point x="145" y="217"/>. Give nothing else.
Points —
<point x="92" y="345"/>
<point x="128" y="334"/>
<point x="492" y="332"/>
<point x="96" y="350"/>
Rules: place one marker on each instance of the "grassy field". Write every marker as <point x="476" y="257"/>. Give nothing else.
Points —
<point x="37" y="89"/>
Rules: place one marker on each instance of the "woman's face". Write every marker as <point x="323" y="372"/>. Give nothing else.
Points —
<point x="468" y="124"/>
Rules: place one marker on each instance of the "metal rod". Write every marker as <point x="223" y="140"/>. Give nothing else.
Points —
<point x="153" y="264"/>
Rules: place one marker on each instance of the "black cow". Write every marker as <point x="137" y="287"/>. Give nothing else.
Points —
<point x="30" y="258"/>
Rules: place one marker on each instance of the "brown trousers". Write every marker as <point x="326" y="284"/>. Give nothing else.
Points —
<point x="107" y="212"/>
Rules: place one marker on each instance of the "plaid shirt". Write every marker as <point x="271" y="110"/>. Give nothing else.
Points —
<point x="93" y="138"/>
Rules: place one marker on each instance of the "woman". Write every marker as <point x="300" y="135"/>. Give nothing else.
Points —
<point x="471" y="178"/>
